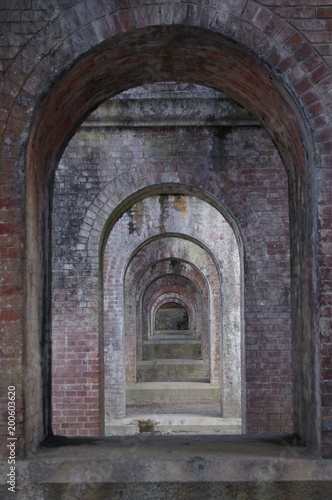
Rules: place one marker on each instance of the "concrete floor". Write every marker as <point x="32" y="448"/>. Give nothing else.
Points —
<point x="181" y="423"/>
<point x="174" y="407"/>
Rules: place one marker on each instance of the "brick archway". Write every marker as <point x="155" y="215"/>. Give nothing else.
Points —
<point x="281" y="116"/>
<point x="117" y="256"/>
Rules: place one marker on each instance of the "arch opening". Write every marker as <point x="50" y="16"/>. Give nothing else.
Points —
<point x="163" y="263"/>
<point x="43" y="153"/>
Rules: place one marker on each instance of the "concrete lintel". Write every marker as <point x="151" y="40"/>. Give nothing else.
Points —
<point x="169" y="112"/>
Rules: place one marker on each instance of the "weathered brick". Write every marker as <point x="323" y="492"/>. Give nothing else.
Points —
<point x="324" y="12"/>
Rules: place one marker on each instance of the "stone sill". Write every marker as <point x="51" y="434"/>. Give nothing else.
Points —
<point x="151" y="458"/>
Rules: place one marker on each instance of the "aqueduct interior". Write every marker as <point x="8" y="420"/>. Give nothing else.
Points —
<point x="257" y="163"/>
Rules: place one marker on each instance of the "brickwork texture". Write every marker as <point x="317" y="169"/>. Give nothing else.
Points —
<point x="59" y="60"/>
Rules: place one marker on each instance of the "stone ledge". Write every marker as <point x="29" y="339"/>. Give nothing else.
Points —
<point x="166" y="465"/>
<point x="227" y="458"/>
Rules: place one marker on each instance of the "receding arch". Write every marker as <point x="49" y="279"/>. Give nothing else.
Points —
<point x="164" y="321"/>
<point x="117" y="257"/>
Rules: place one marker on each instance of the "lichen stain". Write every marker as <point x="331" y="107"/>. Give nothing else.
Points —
<point x="135" y="217"/>
<point x="180" y="203"/>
